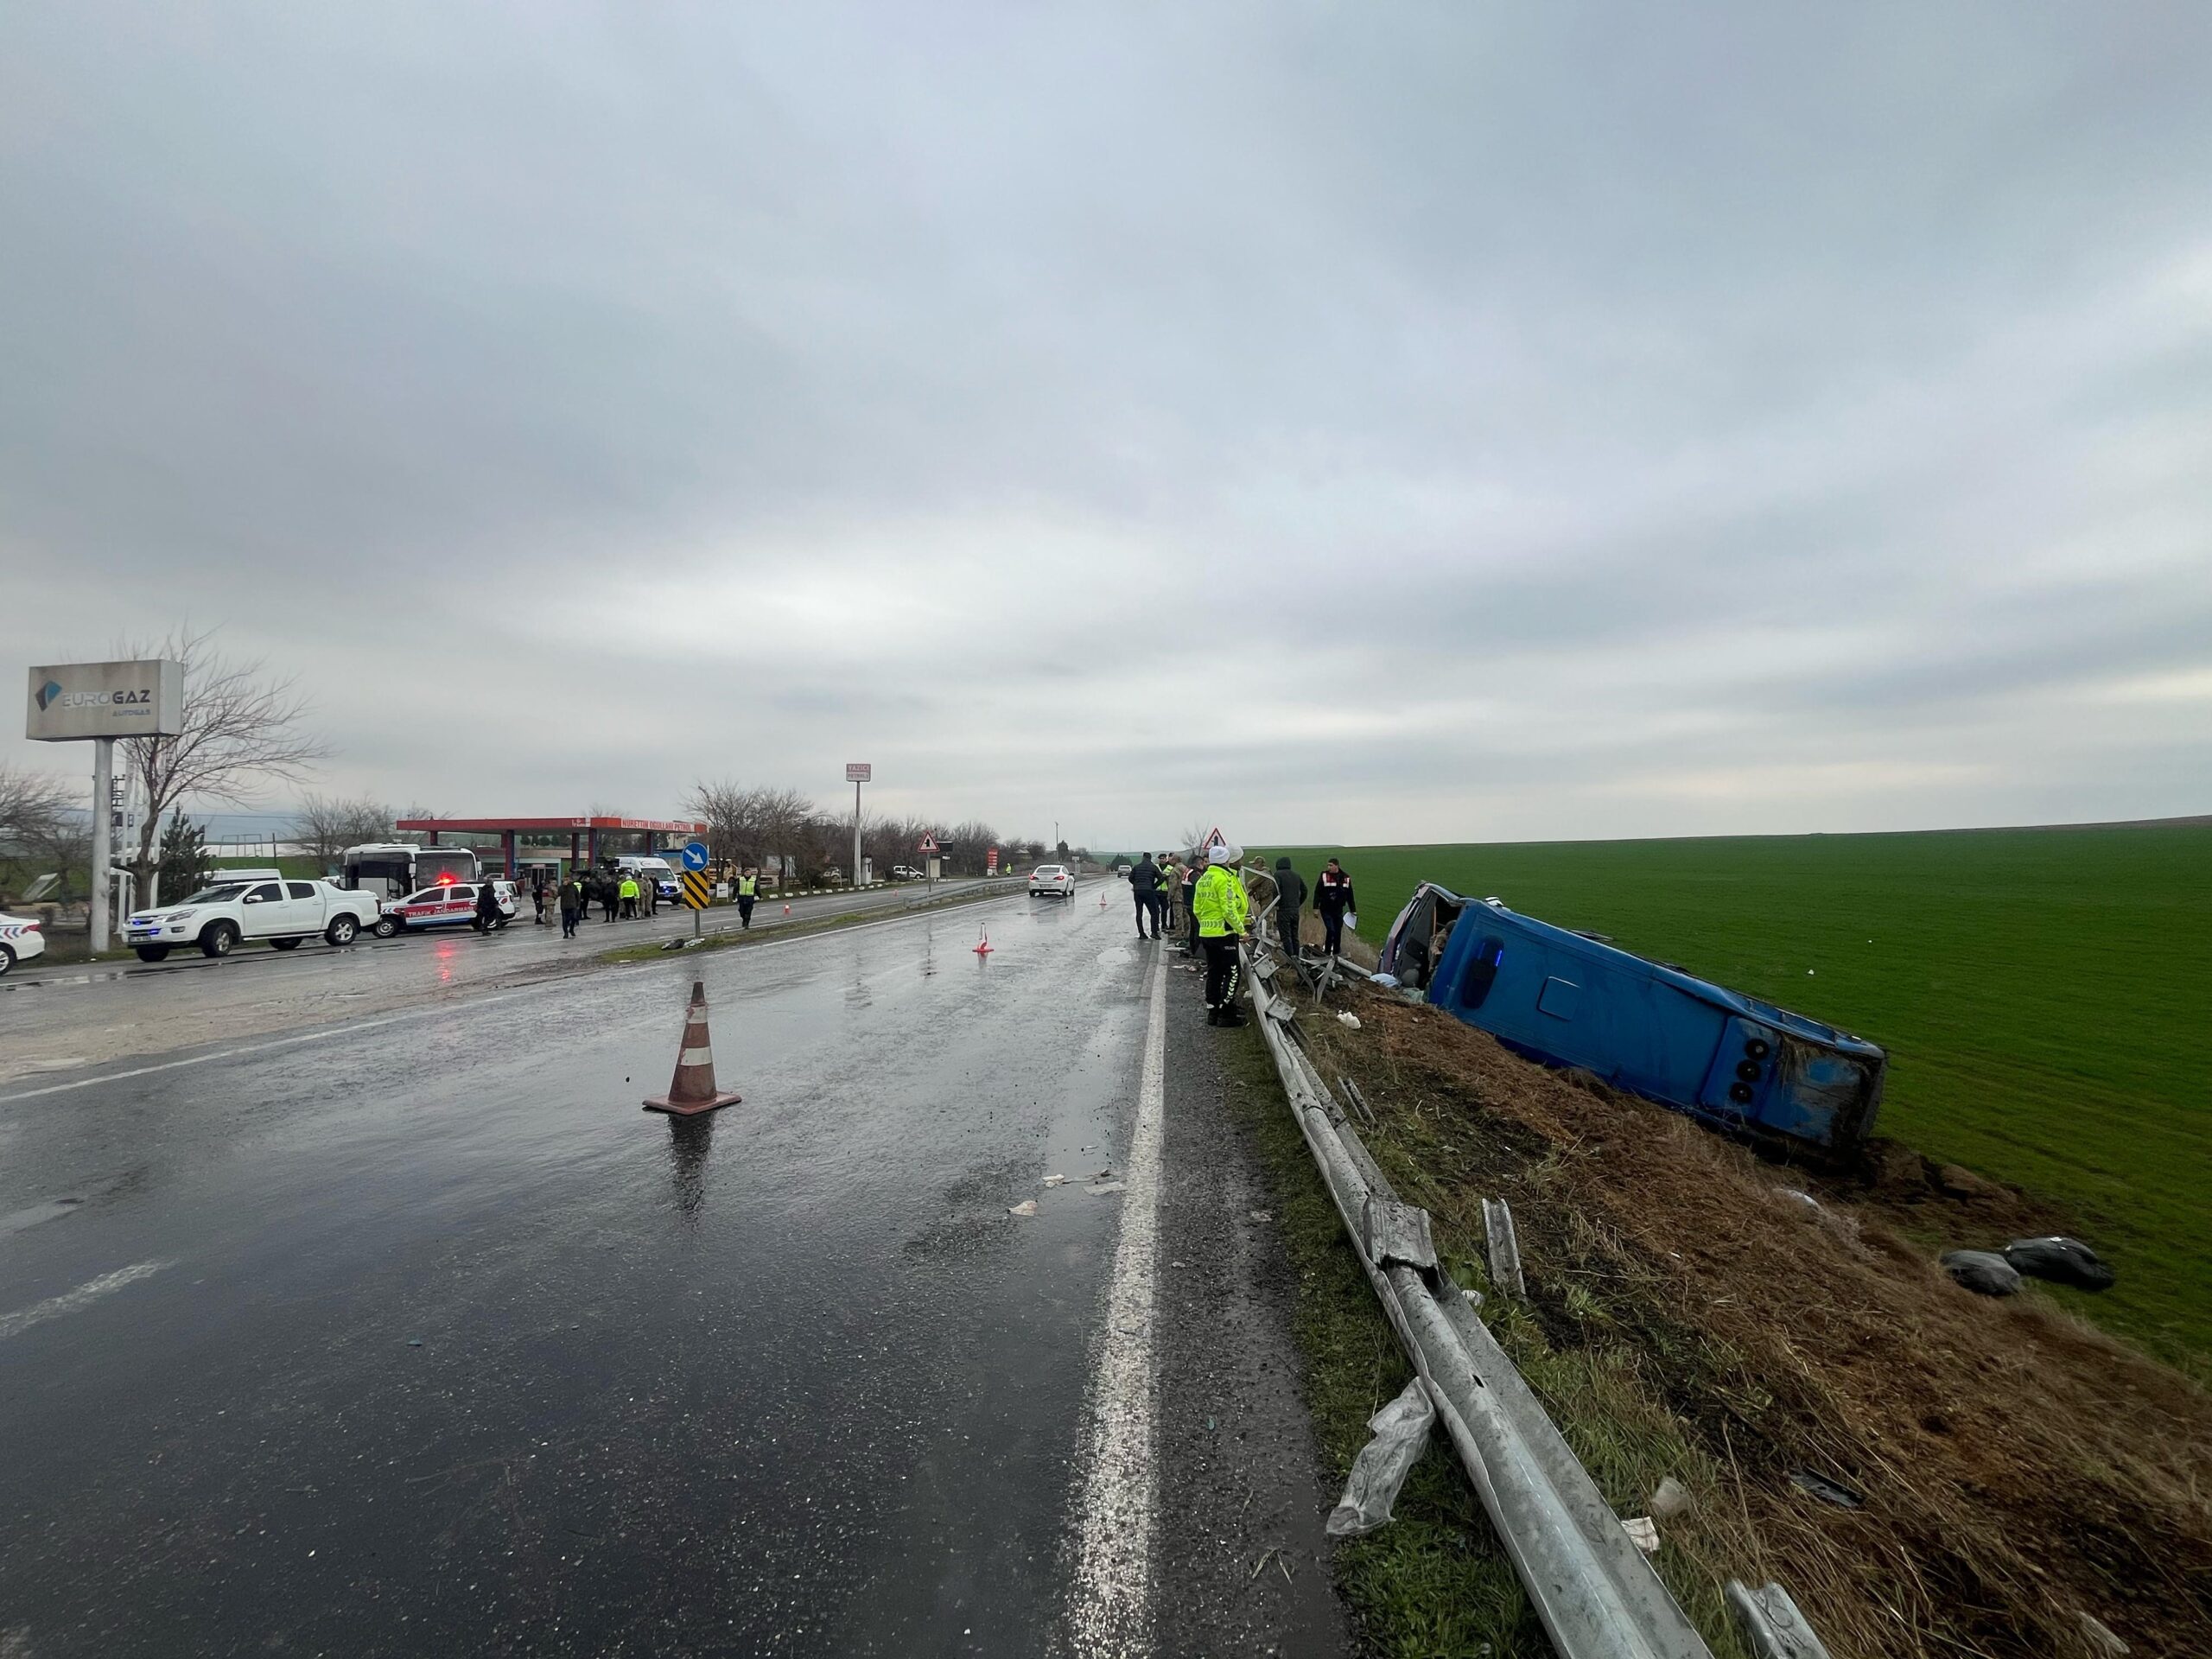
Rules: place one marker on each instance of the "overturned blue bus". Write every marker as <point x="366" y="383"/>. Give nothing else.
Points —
<point x="1569" y="999"/>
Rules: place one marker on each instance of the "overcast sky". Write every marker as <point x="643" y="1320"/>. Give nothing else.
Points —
<point x="1366" y="422"/>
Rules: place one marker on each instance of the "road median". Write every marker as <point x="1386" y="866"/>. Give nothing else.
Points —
<point x="732" y="938"/>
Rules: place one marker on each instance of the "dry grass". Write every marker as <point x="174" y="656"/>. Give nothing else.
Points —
<point x="2018" y="1468"/>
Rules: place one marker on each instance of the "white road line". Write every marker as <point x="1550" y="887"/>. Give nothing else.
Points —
<point x="1112" y="1560"/>
<point x="69" y="1301"/>
<point x="202" y="1059"/>
<point x="559" y="981"/>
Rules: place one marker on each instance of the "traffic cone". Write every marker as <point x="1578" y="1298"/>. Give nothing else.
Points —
<point x="692" y="1091"/>
<point x="787" y="910"/>
<point x="984" y="948"/>
<point x="1102" y="901"/>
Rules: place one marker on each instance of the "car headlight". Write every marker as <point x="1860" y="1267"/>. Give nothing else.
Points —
<point x="180" y="915"/>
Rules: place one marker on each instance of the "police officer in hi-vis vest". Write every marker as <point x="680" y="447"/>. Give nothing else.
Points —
<point x="748" y="889"/>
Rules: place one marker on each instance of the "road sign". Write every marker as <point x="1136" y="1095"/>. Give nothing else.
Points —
<point x="696" y="893"/>
<point x="927" y="844"/>
<point x="695" y="855"/>
<point x="859" y="771"/>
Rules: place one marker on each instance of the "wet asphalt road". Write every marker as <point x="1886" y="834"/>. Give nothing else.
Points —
<point x="427" y="1339"/>
<point x="57" y="1017"/>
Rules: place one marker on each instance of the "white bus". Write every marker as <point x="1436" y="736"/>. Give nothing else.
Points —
<point x="392" y="870"/>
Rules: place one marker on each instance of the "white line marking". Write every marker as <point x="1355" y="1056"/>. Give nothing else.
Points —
<point x="70" y="1301"/>
<point x="558" y="981"/>
<point x="202" y="1059"/>
<point x="1113" y="1564"/>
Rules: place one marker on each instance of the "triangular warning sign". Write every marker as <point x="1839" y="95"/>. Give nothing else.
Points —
<point x="1214" y="838"/>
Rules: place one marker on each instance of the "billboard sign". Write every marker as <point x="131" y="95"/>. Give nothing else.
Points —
<point x="857" y="771"/>
<point x="71" y="700"/>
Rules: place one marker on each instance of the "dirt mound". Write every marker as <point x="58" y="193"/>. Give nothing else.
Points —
<point x="1930" y="1471"/>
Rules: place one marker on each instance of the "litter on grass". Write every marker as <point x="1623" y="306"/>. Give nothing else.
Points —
<point x="1349" y="1020"/>
<point x="1401" y="1432"/>
<point x="1642" y="1533"/>
<point x="2062" y="1261"/>
<point x="1983" y="1272"/>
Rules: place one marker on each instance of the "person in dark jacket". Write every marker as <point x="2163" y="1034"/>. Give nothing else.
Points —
<point x="488" y="915"/>
<point x="572" y="906"/>
<point x="539" y="895"/>
<point x="1332" y="897"/>
<point x="1191" y="871"/>
<point x="1144" y="887"/>
<point x="610" y="896"/>
<point x="1290" y="893"/>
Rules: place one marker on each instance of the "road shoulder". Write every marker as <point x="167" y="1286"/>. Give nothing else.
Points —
<point x="1244" y="1568"/>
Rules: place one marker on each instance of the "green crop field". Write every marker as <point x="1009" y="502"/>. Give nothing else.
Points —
<point x="2042" y="994"/>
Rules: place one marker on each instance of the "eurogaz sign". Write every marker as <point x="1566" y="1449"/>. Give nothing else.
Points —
<point x="73" y="701"/>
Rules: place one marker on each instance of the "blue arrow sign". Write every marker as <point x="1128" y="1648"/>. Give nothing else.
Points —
<point x="695" y="855"/>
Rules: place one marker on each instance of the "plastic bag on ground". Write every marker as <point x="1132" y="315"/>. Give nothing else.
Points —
<point x="1400" y="1431"/>
<point x="1984" y="1272"/>
<point x="2062" y="1261"/>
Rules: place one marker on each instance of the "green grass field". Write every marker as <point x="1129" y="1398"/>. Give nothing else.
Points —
<point x="2042" y="993"/>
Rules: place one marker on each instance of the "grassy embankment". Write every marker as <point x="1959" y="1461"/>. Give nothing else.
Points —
<point x="2042" y="993"/>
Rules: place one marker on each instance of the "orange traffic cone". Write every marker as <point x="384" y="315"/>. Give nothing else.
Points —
<point x="692" y="1090"/>
<point x="983" y="949"/>
<point x="787" y="910"/>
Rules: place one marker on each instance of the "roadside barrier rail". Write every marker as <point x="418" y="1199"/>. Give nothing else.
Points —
<point x="1591" y="1586"/>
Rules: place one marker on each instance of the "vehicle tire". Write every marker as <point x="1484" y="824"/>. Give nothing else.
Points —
<point x="341" y="929"/>
<point x="284" y="944"/>
<point x="7" y="960"/>
<point x="220" y="940"/>
<point x="152" y="952"/>
<point x="384" y="927"/>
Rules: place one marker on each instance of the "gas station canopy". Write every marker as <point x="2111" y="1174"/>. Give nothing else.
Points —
<point x="583" y="834"/>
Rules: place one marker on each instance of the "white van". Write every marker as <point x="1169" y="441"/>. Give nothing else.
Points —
<point x="659" y="871"/>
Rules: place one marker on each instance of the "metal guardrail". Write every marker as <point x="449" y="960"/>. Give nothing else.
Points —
<point x="1591" y="1586"/>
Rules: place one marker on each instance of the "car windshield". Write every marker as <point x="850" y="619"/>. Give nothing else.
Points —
<point x="221" y="895"/>
<point x="1050" y="870"/>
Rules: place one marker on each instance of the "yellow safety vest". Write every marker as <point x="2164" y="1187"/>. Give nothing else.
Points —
<point x="1218" y="903"/>
<point x="747" y="886"/>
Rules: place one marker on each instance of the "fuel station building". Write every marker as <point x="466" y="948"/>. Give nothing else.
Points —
<point x="580" y="842"/>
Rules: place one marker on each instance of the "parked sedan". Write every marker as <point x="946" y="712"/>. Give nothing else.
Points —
<point x="20" y="940"/>
<point x="450" y="904"/>
<point x="1055" y="878"/>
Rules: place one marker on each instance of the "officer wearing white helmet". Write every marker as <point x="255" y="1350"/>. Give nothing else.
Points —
<point x="1218" y="903"/>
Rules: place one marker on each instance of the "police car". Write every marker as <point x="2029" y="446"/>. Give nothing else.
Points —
<point x="450" y="904"/>
<point x="20" y="940"/>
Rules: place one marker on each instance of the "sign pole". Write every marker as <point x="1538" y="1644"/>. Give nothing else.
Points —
<point x="103" y="810"/>
<point x="857" y="834"/>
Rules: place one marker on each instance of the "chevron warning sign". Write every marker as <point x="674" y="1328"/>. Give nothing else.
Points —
<point x="697" y="893"/>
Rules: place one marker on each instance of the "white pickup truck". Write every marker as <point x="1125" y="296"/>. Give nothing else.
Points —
<point x="241" y="905"/>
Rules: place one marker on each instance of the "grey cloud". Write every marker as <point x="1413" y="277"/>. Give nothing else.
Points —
<point x="1483" y="359"/>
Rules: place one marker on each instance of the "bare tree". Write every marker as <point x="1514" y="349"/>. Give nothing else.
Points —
<point x="411" y="812"/>
<point x="751" y="824"/>
<point x="242" y="730"/>
<point x="32" y="806"/>
<point x="43" y="828"/>
<point x="327" y="825"/>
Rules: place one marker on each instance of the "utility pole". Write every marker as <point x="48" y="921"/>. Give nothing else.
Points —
<point x="856" y="774"/>
<point x="103" y="812"/>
